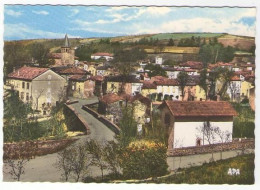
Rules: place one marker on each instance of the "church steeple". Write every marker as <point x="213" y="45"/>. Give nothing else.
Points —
<point x="67" y="43"/>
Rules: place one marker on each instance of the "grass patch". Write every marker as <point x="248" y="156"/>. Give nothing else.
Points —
<point x="216" y="172"/>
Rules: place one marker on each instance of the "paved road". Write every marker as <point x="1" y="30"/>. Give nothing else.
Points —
<point x="42" y="169"/>
<point x="98" y="130"/>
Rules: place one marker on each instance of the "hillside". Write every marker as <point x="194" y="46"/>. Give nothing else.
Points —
<point x="242" y="42"/>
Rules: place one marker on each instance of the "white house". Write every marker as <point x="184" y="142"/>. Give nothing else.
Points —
<point x="158" y="60"/>
<point x="185" y="122"/>
<point x="234" y="87"/>
<point x="168" y="88"/>
<point x="107" y="56"/>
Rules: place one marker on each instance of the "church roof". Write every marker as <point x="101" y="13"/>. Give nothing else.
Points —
<point x="67" y="43"/>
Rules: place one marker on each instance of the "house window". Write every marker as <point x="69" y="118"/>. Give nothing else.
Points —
<point x="23" y="85"/>
<point x="167" y="119"/>
<point x="22" y="95"/>
<point x="27" y="96"/>
<point x="28" y="85"/>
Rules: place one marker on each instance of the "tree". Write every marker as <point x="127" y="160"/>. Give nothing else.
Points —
<point x="125" y="60"/>
<point x="40" y="53"/>
<point x="214" y="75"/>
<point x="154" y="130"/>
<point x="72" y="161"/>
<point x="169" y="62"/>
<point x="142" y="159"/>
<point x="224" y="137"/>
<point x="182" y="79"/>
<point x="112" y="156"/>
<point x="128" y="126"/>
<point x="225" y="76"/>
<point x="203" y="82"/>
<point x="15" y="55"/>
<point x="16" y="156"/>
<point x="155" y="70"/>
<point x="95" y="150"/>
<point x="171" y="42"/>
<point x="64" y="163"/>
<point x="16" y="117"/>
<point x="208" y="134"/>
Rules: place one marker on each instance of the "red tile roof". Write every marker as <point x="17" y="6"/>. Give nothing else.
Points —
<point x="148" y="85"/>
<point x="235" y="78"/>
<point x="27" y="73"/>
<point x="142" y="99"/>
<point x="72" y="70"/>
<point x="167" y="82"/>
<point x="79" y="78"/>
<point x="111" y="98"/>
<point x="199" y="108"/>
<point x="97" y="78"/>
<point x="192" y="64"/>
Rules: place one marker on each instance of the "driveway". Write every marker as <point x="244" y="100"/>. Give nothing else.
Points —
<point x="42" y="169"/>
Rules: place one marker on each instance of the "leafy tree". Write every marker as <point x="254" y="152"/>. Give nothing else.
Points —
<point x="155" y="131"/>
<point x="112" y="156"/>
<point x="125" y="60"/>
<point x="215" y="52"/>
<point x="17" y="125"/>
<point x="95" y="150"/>
<point x="40" y="53"/>
<point x="182" y="79"/>
<point x="155" y="70"/>
<point x="72" y="161"/>
<point x="169" y="62"/>
<point x="143" y="159"/>
<point x="203" y="83"/>
<point x="128" y="126"/>
<point x="171" y="43"/>
<point x="15" y="55"/>
<point x="225" y="77"/>
<point x="213" y="77"/>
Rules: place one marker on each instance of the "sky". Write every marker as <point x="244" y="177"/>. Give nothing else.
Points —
<point x="46" y="21"/>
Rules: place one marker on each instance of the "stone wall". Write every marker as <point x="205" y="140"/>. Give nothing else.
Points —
<point x="234" y="145"/>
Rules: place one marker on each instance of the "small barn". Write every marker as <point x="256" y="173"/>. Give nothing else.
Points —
<point x="184" y="121"/>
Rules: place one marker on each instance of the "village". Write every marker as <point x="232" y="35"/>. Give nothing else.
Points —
<point x="189" y="103"/>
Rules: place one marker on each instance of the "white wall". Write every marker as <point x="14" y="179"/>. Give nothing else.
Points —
<point x="186" y="133"/>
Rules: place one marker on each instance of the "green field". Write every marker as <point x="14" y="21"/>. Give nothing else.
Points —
<point x="216" y="172"/>
<point x="177" y="36"/>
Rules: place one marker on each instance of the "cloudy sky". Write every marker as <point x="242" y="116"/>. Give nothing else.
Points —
<point x="42" y="21"/>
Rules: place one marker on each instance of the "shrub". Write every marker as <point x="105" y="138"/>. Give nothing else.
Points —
<point x="143" y="159"/>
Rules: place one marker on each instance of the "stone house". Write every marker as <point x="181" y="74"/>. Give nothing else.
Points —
<point x="111" y="106"/>
<point x="123" y="84"/>
<point x="41" y="87"/>
<point x="184" y="121"/>
<point x="104" y="70"/>
<point x="81" y="86"/>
